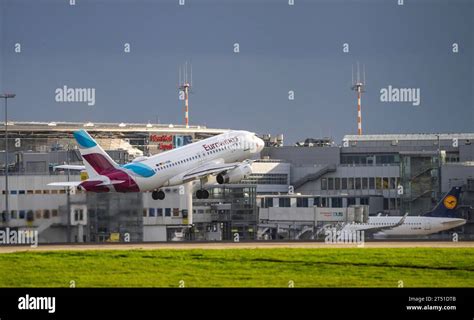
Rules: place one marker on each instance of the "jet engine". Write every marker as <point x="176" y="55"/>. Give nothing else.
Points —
<point x="234" y="175"/>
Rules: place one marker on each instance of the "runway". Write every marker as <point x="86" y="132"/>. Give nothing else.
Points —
<point x="233" y="245"/>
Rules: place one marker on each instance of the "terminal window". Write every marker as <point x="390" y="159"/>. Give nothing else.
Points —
<point x="78" y="215"/>
<point x="393" y="183"/>
<point x="268" y="203"/>
<point x="350" y="184"/>
<point x="324" y="184"/>
<point x="284" y="203"/>
<point x="151" y="212"/>
<point x="330" y="183"/>
<point x="344" y="183"/>
<point x="175" y="212"/>
<point x="324" y="202"/>
<point x="317" y="202"/>
<point x="337" y="202"/>
<point x="302" y="202"/>
<point x="365" y="183"/>
<point x="372" y="183"/>
<point x="378" y="183"/>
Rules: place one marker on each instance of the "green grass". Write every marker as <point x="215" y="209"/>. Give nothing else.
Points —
<point x="351" y="267"/>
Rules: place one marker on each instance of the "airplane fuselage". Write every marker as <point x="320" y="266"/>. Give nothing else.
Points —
<point x="169" y="168"/>
<point x="412" y="225"/>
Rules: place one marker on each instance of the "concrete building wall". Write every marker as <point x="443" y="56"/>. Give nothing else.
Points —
<point x="455" y="174"/>
<point x="304" y="155"/>
<point x="466" y="152"/>
<point x="272" y="168"/>
<point x="314" y="187"/>
<point x="39" y="199"/>
<point x="55" y="235"/>
<point x="154" y="233"/>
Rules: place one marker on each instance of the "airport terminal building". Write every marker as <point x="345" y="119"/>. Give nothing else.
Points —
<point x="292" y="193"/>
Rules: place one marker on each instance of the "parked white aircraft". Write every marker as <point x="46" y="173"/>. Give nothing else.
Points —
<point x="441" y="218"/>
<point x="226" y="155"/>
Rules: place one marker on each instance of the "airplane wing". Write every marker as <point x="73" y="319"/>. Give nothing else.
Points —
<point x="372" y="229"/>
<point x="64" y="184"/>
<point x="76" y="183"/>
<point x="211" y="168"/>
<point x="69" y="167"/>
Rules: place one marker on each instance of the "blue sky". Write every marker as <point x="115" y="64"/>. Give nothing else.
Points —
<point x="282" y="48"/>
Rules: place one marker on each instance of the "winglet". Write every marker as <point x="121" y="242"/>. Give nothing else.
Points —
<point x="402" y="220"/>
<point x="84" y="139"/>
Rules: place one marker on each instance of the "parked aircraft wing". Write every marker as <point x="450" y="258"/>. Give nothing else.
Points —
<point x="373" y="229"/>
<point x="69" y="167"/>
<point x="64" y="184"/>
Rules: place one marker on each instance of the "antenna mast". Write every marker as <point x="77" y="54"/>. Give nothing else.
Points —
<point x="358" y="86"/>
<point x="185" y="86"/>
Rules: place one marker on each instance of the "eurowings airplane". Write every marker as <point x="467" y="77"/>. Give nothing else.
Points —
<point x="227" y="156"/>
<point x="441" y="218"/>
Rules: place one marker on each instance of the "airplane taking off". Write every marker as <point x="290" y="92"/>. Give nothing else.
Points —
<point x="225" y="155"/>
<point x="441" y="218"/>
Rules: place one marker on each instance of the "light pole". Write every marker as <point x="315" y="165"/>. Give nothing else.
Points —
<point x="439" y="166"/>
<point x="6" y="96"/>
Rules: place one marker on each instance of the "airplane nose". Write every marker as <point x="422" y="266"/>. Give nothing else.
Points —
<point x="260" y="144"/>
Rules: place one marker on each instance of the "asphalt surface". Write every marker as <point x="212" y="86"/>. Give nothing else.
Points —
<point x="234" y="245"/>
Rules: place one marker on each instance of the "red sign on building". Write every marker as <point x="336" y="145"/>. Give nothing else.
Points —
<point x="161" y="138"/>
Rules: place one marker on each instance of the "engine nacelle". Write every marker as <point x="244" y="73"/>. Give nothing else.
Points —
<point x="234" y="175"/>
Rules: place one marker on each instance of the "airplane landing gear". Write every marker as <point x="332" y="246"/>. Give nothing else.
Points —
<point x="202" y="194"/>
<point x="158" y="195"/>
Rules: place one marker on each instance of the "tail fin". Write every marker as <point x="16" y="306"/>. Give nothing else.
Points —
<point x="448" y="204"/>
<point x="95" y="159"/>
